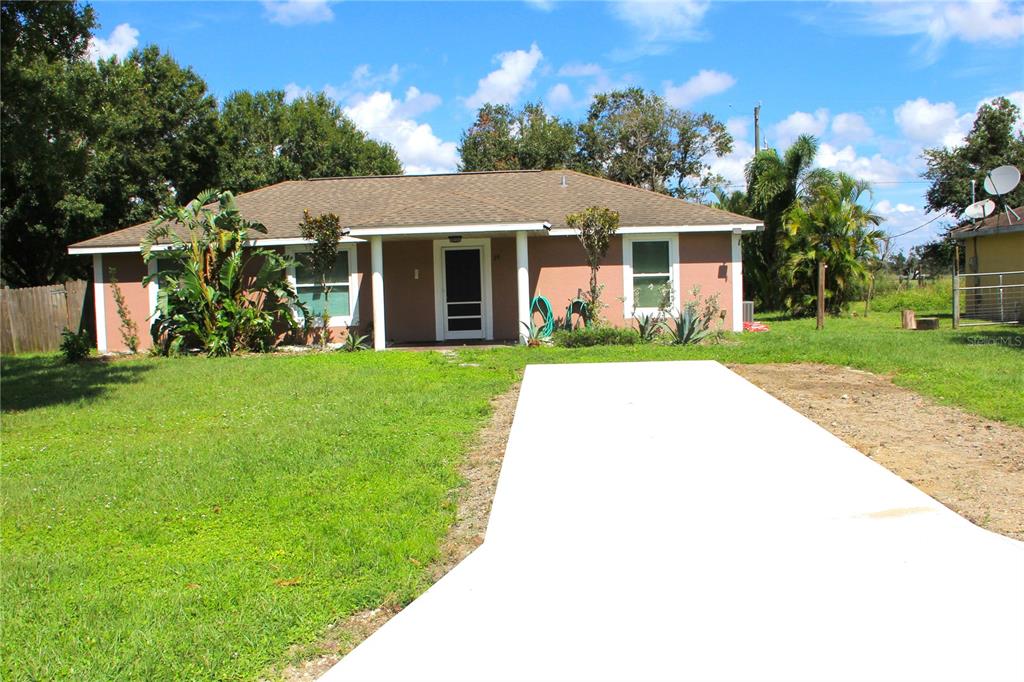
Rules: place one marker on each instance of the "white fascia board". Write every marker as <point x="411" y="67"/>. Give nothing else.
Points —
<point x="76" y="251"/>
<point x="430" y="230"/>
<point x="283" y="241"/>
<point x="666" y="229"/>
<point x="297" y="241"/>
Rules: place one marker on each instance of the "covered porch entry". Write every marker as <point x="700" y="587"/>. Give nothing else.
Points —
<point x="449" y="284"/>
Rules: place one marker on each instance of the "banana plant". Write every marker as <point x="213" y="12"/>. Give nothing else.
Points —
<point x="221" y="296"/>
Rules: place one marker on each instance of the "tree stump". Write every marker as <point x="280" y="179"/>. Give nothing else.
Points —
<point x="908" y="320"/>
<point x="927" y="323"/>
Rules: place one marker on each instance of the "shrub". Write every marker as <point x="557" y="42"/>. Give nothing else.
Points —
<point x="936" y="297"/>
<point x="75" y="347"/>
<point x="595" y="336"/>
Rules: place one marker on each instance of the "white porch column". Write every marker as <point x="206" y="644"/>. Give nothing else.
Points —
<point x="377" y="267"/>
<point x="98" y="300"/>
<point x="523" y="285"/>
<point x="737" y="282"/>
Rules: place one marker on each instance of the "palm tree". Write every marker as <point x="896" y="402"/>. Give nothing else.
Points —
<point x="830" y="225"/>
<point x="735" y="202"/>
<point x="774" y="183"/>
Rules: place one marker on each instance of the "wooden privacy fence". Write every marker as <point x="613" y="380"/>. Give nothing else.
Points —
<point x="31" y="319"/>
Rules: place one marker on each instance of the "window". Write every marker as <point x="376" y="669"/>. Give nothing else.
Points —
<point x="159" y="264"/>
<point x="650" y="264"/>
<point x="340" y="298"/>
<point x="167" y="265"/>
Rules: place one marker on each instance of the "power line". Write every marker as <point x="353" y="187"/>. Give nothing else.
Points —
<point x="896" y="236"/>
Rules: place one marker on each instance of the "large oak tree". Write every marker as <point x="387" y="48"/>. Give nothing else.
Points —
<point x="529" y="139"/>
<point x="635" y="137"/>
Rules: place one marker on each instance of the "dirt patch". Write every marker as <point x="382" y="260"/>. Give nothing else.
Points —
<point x="974" y="466"/>
<point x="480" y="471"/>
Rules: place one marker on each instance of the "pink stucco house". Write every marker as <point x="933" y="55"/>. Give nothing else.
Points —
<point x="433" y="258"/>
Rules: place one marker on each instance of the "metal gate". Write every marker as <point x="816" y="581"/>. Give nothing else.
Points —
<point x="988" y="298"/>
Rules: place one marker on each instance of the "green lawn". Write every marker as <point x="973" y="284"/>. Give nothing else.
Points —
<point x="980" y="369"/>
<point x="191" y="519"/>
<point x="154" y="511"/>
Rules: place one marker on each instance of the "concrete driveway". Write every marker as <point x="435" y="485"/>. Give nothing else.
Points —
<point x="670" y="521"/>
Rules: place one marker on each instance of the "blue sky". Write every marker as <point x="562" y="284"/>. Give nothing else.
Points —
<point x="875" y="82"/>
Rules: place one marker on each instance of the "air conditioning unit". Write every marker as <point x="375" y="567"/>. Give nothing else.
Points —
<point x="748" y="311"/>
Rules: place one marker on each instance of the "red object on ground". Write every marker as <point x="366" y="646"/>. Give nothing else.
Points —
<point x="755" y="327"/>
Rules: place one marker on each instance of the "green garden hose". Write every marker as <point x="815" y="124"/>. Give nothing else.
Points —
<point x="580" y="307"/>
<point x="543" y="306"/>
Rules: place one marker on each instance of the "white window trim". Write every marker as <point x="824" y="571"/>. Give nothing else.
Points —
<point x="488" y="311"/>
<point x="352" y="319"/>
<point x="627" y="270"/>
<point x="153" y="288"/>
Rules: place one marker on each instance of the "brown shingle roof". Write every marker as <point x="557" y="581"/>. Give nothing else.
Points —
<point x="454" y="199"/>
<point x="996" y="222"/>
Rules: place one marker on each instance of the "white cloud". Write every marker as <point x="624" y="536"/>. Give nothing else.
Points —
<point x="704" y="84"/>
<point x="123" y="39"/>
<point x="503" y="85"/>
<point x="927" y="122"/>
<point x="732" y="166"/>
<point x="364" y="77"/>
<point x="559" y="97"/>
<point x="417" y="102"/>
<point x="799" y="123"/>
<point x="294" y="12"/>
<point x="388" y="119"/>
<point x="849" y="127"/>
<point x="578" y="70"/>
<point x="294" y="91"/>
<point x="874" y="168"/>
<point x="738" y="126"/>
<point x="937" y="23"/>
<point x="658" y="22"/>
<point x="940" y="123"/>
<point x="887" y="208"/>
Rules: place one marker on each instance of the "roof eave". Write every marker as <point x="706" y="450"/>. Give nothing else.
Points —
<point x="987" y="231"/>
<point x="670" y="229"/>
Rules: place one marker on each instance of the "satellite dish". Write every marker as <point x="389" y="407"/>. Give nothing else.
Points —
<point x="980" y="209"/>
<point x="1001" y="181"/>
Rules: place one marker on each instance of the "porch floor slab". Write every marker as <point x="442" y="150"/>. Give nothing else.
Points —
<point x="670" y="521"/>
<point x="451" y="345"/>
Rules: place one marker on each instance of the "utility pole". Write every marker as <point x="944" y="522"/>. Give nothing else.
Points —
<point x="757" y="129"/>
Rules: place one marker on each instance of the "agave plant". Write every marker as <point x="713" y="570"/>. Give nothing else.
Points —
<point x="354" y="342"/>
<point x="694" y="322"/>
<point x="536" y="336"/>
<point x="650" y="326"/>
<point x="219" y="295"/>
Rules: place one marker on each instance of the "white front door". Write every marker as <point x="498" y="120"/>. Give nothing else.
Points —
<point x="463" y="292"/>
